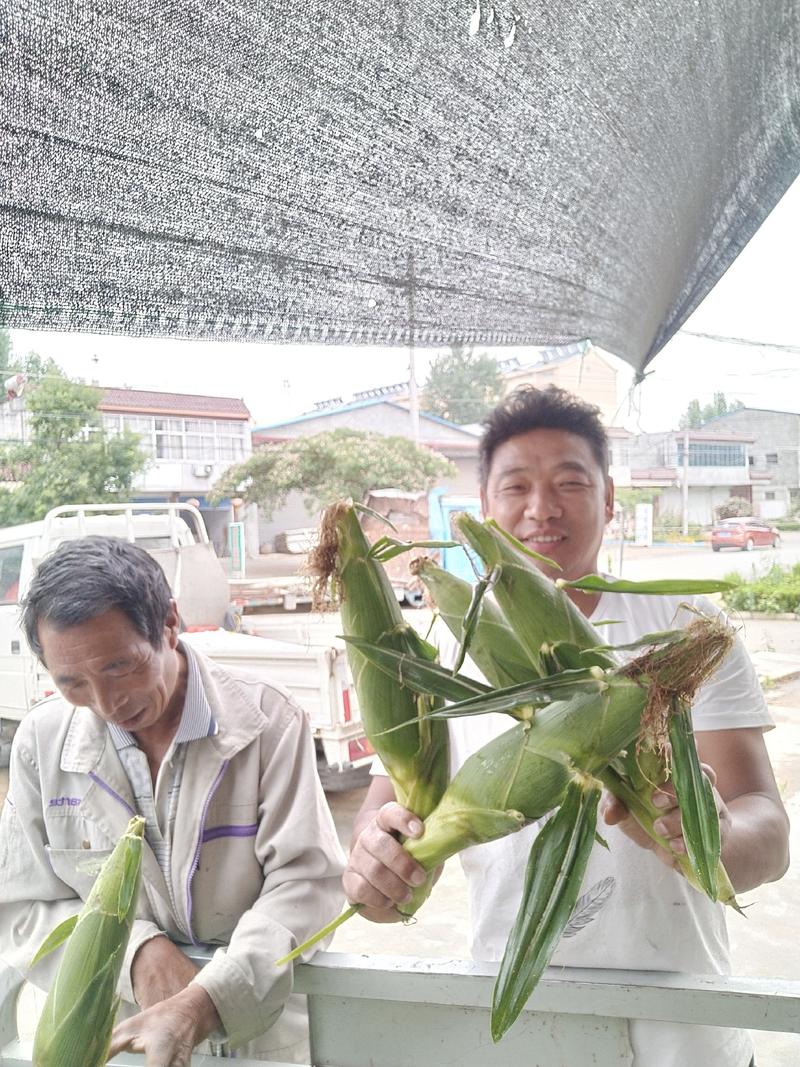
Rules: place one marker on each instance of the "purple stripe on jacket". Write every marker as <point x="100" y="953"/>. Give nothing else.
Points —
<point x="230" y="831"/>
<point x="111" y="792"/>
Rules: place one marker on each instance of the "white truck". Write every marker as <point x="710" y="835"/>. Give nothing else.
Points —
<point x="317" y="675"/>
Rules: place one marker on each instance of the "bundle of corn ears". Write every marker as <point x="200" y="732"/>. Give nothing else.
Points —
<point x="78" y="1015"/>
<point x="581" y="722"/>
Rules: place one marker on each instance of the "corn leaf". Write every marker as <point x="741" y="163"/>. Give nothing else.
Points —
<point x="520" y="547"/>
<point x="699" y="817"/>
<point x="596" y="583"/>
<point x="519" y="701"/>
<point x="470" y="624"/>
<point x="553" y="879"/>
<point x="364" y="510"/>
<point x="418" y="674"/>
<point x="386" y="548"/>
<point x="55" y="938"/>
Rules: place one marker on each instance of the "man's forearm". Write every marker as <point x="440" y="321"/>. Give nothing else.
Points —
<point x="756" y="847"/>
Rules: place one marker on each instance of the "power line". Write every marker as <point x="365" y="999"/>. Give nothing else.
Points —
<point x="795" y="349"/>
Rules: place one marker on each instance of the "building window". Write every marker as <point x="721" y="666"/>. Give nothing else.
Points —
<point x="772" y="457"/>
<point x="769" y="495"/>
<point x="186" y="439"/>
<point x="709" y="454"/>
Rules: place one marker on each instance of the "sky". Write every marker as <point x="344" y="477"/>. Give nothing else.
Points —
<point x="757" y="300"/>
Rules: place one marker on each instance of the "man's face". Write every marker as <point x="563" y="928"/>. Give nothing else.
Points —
<point x="547" y="489"/>
<point x="106" y="665"/>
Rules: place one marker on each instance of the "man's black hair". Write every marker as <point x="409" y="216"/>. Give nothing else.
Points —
<point x="529" y="408"/>
<point x="88" y="576"/>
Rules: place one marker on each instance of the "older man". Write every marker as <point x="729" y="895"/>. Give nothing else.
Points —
<point x="241" y="850"/>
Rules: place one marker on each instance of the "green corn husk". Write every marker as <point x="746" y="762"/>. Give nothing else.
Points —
<point x="416" y="759"/>
<point x="493" y="645"/>
<point x="78" y="1015"/>
<point x="537" y="611"/>
<point x="553" y="877"/>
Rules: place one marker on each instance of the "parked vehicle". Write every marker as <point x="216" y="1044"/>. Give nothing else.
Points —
<point x="744" y="533"/>
<point x="317" y="675"/>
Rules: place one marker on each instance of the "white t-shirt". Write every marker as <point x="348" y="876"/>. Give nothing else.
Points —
<point x="634" y="912"/>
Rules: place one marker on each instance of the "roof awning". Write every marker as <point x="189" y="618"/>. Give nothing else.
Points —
<point x="373" y="172"/>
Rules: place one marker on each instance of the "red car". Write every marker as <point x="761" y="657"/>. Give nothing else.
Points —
<point x="745" y="534"/>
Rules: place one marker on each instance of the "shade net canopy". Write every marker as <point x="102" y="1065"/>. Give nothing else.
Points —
<point x="526" y="173"/>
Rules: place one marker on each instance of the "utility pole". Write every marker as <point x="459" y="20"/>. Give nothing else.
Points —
<point x="685" y="483"/>
<point x="413" y="397"/>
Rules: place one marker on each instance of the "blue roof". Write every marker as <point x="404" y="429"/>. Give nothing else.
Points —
<point x="322" y="413"/>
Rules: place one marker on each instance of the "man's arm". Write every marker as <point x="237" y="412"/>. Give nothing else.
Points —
<point x="380" y="873"/>
<point x="754" y="826"/>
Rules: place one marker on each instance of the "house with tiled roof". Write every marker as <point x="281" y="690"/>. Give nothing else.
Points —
<point x="376" y="413"/>
<point x="191" y="440"/>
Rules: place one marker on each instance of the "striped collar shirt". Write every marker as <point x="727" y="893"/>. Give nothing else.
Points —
<point x="159" y="805"/>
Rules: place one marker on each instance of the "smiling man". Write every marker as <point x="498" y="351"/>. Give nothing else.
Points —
<point x="544" y="478"/>
<point x="240" y="849"/>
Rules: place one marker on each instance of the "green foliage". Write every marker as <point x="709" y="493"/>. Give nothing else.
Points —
<point x="332" y="466"/>
<point x="695" y="416"/>
<point x="462" y="386"/>
<point x="787" y="524"/>
<point x="669" y="527"/>
<point x="775" y="592"/>
<point x="69" y="458"/>
<point x="5" y="352"/>
<point x="733" y="507"/>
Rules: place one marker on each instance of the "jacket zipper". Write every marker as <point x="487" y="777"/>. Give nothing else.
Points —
<point x="196" y="859"/>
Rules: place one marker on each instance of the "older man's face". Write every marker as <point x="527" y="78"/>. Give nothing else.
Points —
<point x="106" y="665"/>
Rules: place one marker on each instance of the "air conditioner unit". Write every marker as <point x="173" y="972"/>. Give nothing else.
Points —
<point x="202" y="470"/>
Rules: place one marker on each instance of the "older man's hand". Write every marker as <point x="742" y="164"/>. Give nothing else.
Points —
<point x="160" y="970"/>
<point x="168" y="1031"/>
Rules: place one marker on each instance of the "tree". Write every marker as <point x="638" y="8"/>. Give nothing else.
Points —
<point x="462" y="386"/>
<point x="5" y="352"/>
<point x="69" y="458"/>
<point x="695" y="416"/>
<point x="733" y="507"/>
<point x="330" y="466"/>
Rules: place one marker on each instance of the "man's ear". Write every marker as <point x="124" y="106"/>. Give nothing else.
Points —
<point x="609" y="499"/>
<point x="484" y="503"/>
<point x="172" y="624"/>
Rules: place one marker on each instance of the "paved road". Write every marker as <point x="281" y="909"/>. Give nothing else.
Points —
<point x="698" y="561"/>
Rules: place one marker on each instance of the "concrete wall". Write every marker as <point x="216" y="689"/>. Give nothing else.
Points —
<point x="776" y="450"/>
<point x="588" y="376"/>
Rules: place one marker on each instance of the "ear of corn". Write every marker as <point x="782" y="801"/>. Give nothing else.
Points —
<point x="696" y="801"/>
<point x="494" y="647"/>
<point x="555" y="870"/>
<point x="538" y="612"/>
<point x="78" y="1015"/>
<point x="415" y="758"/>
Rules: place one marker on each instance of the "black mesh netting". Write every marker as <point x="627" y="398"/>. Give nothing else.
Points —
<point x="352" y="170"/>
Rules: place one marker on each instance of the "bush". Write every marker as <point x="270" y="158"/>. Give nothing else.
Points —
<point x="775" y="592"/>
<point x="669" y="527"/>
<point x="733" y="508"/>
<point x="792" y="523"/>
